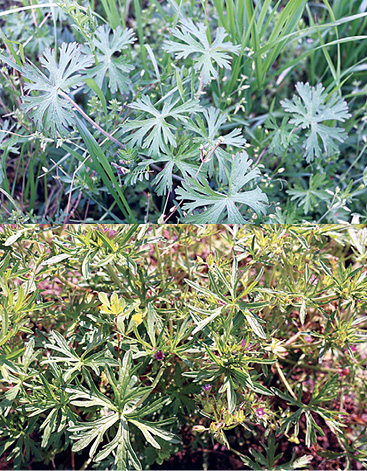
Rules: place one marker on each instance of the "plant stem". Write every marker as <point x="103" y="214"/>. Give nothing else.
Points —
<point x="313" y="367"/>
<point x="198" y="93"/>
<point x="87" y="463"/>
<point x="159" y="260"/>
<point x="187" y="260"/>
<point x="90" y="120"/>
<point x="284" y="380"/>
<point x="69" y="283"/>
<point x="302" y="345"/>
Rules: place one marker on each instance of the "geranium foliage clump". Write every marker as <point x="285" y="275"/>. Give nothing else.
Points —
<point x="183" y="112"/>
<point x="123" y="347"/>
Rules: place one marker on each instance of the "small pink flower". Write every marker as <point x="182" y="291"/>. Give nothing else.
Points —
<point x="343" y="372"/>
<point x="243" y="345"/>
<point x="353" y="348"/>
<point x="207" y="387"/>
<point x="308" y="338"/>
<point x="159" y="355"/>
<point x="110" y="233"/>
<point x="260" y="413"/>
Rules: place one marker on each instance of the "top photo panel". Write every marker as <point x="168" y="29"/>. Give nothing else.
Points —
<point x="150" y="111"/>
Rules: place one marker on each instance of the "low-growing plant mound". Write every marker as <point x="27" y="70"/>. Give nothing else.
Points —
<point x="134" y="347"/>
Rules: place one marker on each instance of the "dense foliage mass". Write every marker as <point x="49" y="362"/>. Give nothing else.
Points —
<point x="224" y="347"/>
<point x="202" y="112"/>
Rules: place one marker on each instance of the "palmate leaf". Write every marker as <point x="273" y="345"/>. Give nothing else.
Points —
<point x="326" y="393"/>
<point x="122" y="408"/>
<point x="208" y="131"/>
<point x="86" y="432"/>
<point x="212" y="315"/>
<point x="281" y="137"/>
<point x="269" y="459"/>
<point x="50" y="111"/>
<point x="216" y="206"/>
<point x="310" y="197"/>
<point x="17" y="441"/>
<point x="309" y="111"/>
<point x="108" y="45"/>
<point x="195" y="41"/>
<point x="20" y="27"/>
<point x="181" y="159"/>
<point x="152" y="429"/>
<point x="52" y="400"/>
<point x="124" y="452"/>
<point x="75" y="362"/>
<point x="155" y="134"/>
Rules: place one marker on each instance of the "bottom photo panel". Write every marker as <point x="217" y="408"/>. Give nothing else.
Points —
<point x="188" y="347"/>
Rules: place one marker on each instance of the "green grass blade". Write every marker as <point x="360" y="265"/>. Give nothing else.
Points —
<point x="104" y="169"/>
<point x="112" y="13"/>
<point x="305" y="32"/>
<point x="93" y="86"/>
<point x="305" y="54"/>
<point x="139" y="22"/>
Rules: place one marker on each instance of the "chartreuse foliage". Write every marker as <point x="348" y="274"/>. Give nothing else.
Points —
<point x="118" y="341"/>
<point x="183" y="112"/>
<point x="121" y="413"/>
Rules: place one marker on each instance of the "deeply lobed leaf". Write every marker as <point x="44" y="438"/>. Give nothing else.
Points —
<point x="49" y="110"/>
